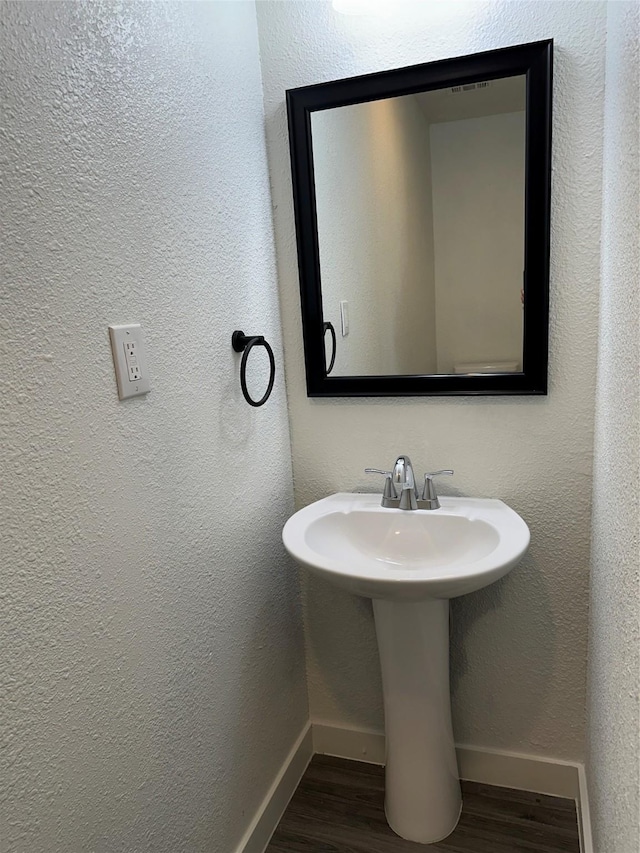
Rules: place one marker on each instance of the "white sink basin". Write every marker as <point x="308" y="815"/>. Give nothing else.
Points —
<point x="400" y="555"/>
<point x="410" y="563"/>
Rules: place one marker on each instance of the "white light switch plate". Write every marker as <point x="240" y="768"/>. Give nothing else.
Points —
<point x="129" y="359"/>
<point x="344" y="317"/>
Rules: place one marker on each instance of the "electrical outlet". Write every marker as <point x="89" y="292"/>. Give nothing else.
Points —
<point x="132" y="373"/>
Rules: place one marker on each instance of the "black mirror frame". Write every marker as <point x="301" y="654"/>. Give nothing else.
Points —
<point x="536" y="61"/>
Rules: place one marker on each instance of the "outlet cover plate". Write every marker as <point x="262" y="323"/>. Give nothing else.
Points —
<point x="126" y="361"/>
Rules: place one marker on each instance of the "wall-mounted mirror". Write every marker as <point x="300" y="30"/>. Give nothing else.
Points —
<point x="422" y="218"/>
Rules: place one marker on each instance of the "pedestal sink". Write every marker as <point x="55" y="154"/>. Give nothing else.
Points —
<point x="411" y="563"/>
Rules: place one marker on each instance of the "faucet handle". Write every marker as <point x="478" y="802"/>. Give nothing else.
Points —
<point x="389" y="490"/>
<point x="429" y="493"/>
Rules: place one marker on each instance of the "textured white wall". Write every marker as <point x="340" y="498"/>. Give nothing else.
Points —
<point x="614" y="648"/>
<point x="151" y="660"/>
<point x="478" y="227"/>
<point x="375" y="234"/>
<point x="519" y="647"/>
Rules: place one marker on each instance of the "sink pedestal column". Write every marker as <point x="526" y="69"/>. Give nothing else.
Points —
<point x="423" y="799"/>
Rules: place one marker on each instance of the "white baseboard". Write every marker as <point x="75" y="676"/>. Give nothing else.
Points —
<point x="356" y="744"/>
<point x="491" y="767"/>
<point x="523" y="772"/>
<point x="584" y="815"/>
<point x="266" y="819"/>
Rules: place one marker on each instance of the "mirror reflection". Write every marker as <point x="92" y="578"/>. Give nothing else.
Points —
<point x="420" y="206"/>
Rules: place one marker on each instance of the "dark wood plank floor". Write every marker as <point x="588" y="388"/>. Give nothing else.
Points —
<point x="339" y="808"/>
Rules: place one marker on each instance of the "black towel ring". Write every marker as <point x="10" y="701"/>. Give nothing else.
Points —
<point x="244" y="344"/>
<point x="328" y="327"/>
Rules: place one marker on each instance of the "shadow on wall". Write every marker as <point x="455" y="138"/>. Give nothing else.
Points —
<point x="523" y="643"/>
<point x="204" y="677"/>
<point x="340" y="658"/>
<point x="234" y="420"/>
<point x="334" y="654"/>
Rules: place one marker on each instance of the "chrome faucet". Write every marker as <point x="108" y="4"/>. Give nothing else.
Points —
<point x="402" y="479"/>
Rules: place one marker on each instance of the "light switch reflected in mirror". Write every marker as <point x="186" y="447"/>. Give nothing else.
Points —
<point x="420" y="206"/>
